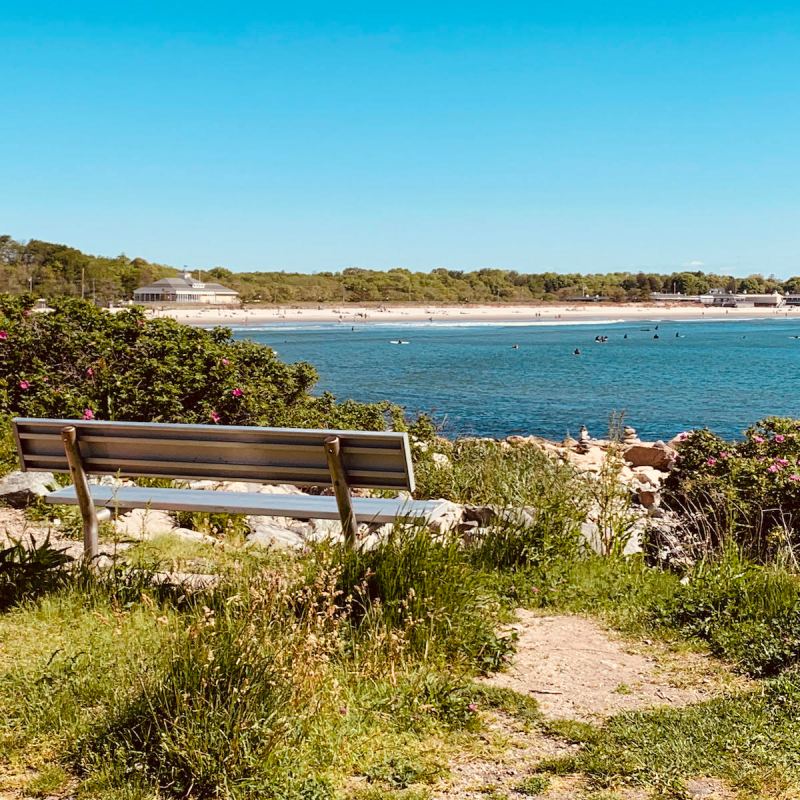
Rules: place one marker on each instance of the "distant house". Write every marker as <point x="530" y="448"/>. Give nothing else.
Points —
<point x="187" y="290"/>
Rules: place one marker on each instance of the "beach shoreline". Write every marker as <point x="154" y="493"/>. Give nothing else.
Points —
<point x="397" y="314"/>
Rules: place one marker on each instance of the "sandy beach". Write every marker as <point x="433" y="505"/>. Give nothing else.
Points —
<point x="440" y="314"/>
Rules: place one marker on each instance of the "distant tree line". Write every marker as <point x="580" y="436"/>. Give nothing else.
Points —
<point x="54" y="270"/>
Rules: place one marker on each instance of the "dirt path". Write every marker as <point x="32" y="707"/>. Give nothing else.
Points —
<point x="577" y="670"/>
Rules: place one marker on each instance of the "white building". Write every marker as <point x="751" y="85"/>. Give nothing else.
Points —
<point x="721" y="298"/>
<point x="186" y="290"/>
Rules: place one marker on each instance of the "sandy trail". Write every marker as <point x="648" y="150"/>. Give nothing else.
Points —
<point x="577" y="670"/>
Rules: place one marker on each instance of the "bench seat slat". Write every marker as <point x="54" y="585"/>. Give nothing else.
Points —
<point x="296" y="506"/>
<point x="253" y="446"/>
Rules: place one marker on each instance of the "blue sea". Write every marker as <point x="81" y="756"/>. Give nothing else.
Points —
<point x="473" y="381"/>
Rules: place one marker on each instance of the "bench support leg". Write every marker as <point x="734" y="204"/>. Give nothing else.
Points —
<point x="341" y="490"/>
<point x="90" y="524"/>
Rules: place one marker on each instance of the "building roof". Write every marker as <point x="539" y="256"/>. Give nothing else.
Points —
<point x="186" y="282"/>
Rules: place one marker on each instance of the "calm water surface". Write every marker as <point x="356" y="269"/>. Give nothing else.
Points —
<point x="724" y="375"/>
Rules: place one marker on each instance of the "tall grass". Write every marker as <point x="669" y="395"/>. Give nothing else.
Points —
<point x="490" y="473"/>
<point x="233" y="689"/>
<point x="423" y="588"/>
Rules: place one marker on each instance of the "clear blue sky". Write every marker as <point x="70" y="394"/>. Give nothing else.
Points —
<point x="308" y="136"/>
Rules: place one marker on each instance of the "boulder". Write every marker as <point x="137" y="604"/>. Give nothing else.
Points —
<point x="143" y="523"/>
<point x="19" y="489"/>
<point x="266" y="534"/>
<point x="277" y="488"/>
<point x="194" y="536"/>
<point x="648" y="498"/>
<point x="649" y="476"/>
<point x="446" y="516"/>
<point x="659" y="456"/>
<point x="485" y="516"/>
<point x="441" y="460"/>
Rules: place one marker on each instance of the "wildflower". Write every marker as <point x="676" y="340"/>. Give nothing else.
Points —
<point x="3" y="335"/>
<point x="24" y="385"/>
<point x="343" y="710"/>
<point x="225" y="362"/>
<point x="724" y="454"/>
<point x="88" y="413"/>
<point x="214" y="416"/>
<point x="237" y="392"/>
<point x="780" y="438"/>
<point x="772" y="468"/>
<point x="89" y="372"/>
<point x="794" y="477"/>
<point x="682" y="437"/>
<point x="758" y="439"/>
<point x="535" y="589"/>
<point x="782" y="462"/>
<point x="472" y="707"/>
<point x="711" y="461"/>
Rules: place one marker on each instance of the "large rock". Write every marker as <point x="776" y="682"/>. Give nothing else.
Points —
<point x="485" y="516"/>
<point x="659" y="455"/>
<point x="144" y="523"/>
<point x="267" y="534"/>
<point x="19" y="489"/>
<point x="446" y="516"/>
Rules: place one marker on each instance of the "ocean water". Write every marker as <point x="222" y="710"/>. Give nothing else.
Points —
<point x="723" y="375"/>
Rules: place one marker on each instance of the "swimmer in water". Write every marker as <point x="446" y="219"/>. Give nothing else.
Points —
<point x="576" y="352"/>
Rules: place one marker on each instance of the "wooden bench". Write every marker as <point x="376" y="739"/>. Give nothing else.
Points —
<point x="341" y="459"/>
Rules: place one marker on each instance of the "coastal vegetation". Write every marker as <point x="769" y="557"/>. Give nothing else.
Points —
<point x="53" y="270"/>
<point x="80" y="361"/>
<point x="327" y="673"/>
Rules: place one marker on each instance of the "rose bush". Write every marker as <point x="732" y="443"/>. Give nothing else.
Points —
<point x="749" y="489"/>
<point x="79" y="361"/>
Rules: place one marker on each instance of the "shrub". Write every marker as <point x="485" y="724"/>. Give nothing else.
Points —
<point x="748" y="491"/>
<point x="747" y="613"/>
<point x="79" y="361"/>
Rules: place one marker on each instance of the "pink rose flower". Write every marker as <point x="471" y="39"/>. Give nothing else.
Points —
<point x="214" y="416"/>
<point x="772" y="468"/>
<point x="3" y="335"/>
<point x="780" y="438"/>
<point x="724" y="454"/>
<point x="88" y="413"/>
<point x="711" y="461"/>
<point x="237" y="392"/>
<point x="473" y="707"/>
<point x="225" y="362"/>
<point x="758" y="439"/>
<point x="782" y="462"/>
<point x="794" y="477"/>
<point x="24" y="385"/>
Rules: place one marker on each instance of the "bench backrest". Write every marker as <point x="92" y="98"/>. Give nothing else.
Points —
<point x="217" y="452"/>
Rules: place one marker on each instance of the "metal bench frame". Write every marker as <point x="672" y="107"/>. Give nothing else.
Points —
<point x="340" y="459"/>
